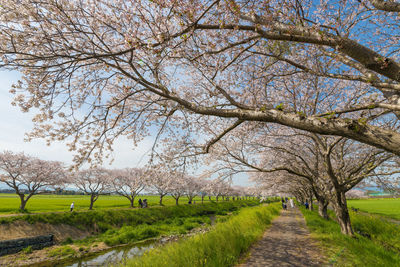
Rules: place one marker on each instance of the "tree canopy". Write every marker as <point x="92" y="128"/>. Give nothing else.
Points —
<point x="100" y="69"/>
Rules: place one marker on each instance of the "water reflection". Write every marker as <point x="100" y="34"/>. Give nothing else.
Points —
<point x="115" y="256"/>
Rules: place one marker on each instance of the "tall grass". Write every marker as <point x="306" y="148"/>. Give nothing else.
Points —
<point x="372" y="246"/>
<point x="131" y="234"/>
<point x="379" y="229"/>
<point x="222" y="246"/>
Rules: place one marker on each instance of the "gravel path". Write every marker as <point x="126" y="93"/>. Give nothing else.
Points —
<point x="286" y="243"/>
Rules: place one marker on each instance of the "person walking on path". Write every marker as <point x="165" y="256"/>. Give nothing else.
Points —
<point x="72" y="206"/>
<point x="140" y="203"/>
<point x="291" y="203"/>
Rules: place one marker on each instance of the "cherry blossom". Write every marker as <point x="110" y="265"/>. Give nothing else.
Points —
<point x="99" y="69"/>
<point x="28" y="175"/>
<point x="93" y="182"/>
<point x="128" y="182"/>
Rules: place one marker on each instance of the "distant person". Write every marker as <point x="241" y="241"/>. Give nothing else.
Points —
<point x="140" y="203"/>
<point x="286" y="199"/>
<point x="72" y="206"/>
<point x="306" y="204"/>
<point x="283" y="204"/>
<point x="291" y="203"/>
<point x="190" y="202"/>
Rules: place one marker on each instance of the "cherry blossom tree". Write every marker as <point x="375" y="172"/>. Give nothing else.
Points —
<point x="98" y="69"/>
<point x="178" y="187"/>
<point x="237" y="191"/>
<point x="128" y="182"/>
<point x="93" y="182"/>
<point x="27" y="175"/>
<point x="218" y="188"/>
<point x="192" y="187"/>
<point x="328" y="166"/>
<point x="204" y="188"/>
<point x="161" y="181"/>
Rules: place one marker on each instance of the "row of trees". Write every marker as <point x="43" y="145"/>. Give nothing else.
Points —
<point x="306" y="165"/>
<point x="29" y="176"/>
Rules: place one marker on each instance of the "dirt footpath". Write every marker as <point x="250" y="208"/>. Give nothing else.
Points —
<point x="286" y="243"/>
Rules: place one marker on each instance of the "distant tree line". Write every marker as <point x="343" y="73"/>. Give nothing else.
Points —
<point x="28" y="176"/>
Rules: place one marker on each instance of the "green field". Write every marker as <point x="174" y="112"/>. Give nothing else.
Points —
<point x="9" y="203"/>
<point x="389" y="207"/>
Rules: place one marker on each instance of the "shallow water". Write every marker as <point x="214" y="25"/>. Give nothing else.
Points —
<point x="111" y="257"/>
<point x="117" y="255"/>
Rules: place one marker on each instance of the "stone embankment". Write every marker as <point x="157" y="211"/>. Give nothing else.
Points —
<point x="16" y="245"/>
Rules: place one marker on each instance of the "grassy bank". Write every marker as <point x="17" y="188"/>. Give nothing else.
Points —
<point x="222" y="246"/>
<point x="127" y="227"/>
<point x="376" y="242"/>
<point x="103" y="220"/>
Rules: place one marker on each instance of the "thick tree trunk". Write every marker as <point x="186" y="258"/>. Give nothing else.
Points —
<point x="323" y="208"/>
<point x="342" y="213"/>
<point x="177" y="201"/>
<point x="322" y="203"/>
<point x="161" y="197"/>
<point x="132" y="200"/>
<point x="91" y="202"/>
<point x="217" y="198"/>
<point x="23" y="202"/>
<point x="310" y="199"/>
<point x="202" y="199"/>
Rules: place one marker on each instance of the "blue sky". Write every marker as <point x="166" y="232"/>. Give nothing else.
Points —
<point x="14" y="124"/>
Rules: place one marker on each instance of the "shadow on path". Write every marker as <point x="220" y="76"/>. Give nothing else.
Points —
<point x="286" y="243"/>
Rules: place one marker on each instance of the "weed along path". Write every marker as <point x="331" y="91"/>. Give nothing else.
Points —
<point x="286" y="243"/>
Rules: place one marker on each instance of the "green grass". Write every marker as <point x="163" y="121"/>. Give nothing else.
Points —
<point x="103" y="220"/>
<point x="27" y="250"/>
<point x="131" y="234"/>
<point x="222" y="246"/>
<point x="9" y="203"/>
<point x="62" y="251"/>
<point x="380" y="250"/>
<point x="389" y="207"/>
